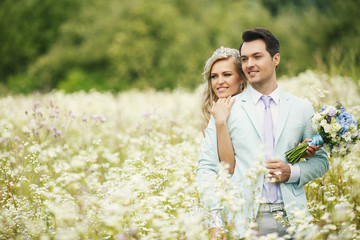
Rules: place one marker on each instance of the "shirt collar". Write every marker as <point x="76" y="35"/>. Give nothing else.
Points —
<point x="255" y="95"/>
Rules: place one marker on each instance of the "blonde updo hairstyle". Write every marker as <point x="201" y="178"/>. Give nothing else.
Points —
<point x="209" y="96"/>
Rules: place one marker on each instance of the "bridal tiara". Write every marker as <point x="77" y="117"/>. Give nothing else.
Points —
<point x="227" y="51"/>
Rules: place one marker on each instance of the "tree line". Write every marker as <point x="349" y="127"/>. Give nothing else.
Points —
<point x="163" y="44"/>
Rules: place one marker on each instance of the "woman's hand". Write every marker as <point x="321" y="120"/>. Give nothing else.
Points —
<point x="221" y="109"/>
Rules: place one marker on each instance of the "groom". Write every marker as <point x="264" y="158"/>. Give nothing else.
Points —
<point x="263" y="115"/>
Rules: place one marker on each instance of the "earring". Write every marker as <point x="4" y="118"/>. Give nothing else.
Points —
<point x="242" y="86"/>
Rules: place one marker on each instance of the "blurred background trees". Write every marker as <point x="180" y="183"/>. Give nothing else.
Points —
<point x="163" y="44"/>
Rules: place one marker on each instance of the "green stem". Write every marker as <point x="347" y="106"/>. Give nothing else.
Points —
<point x="295" y="154"/>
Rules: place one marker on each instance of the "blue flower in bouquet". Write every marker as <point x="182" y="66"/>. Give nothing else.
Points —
<point x="337" y="129"/>
<point x="346" y="120"/>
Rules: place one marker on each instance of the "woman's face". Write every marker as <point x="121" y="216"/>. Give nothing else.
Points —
<point x="225" y="80"/>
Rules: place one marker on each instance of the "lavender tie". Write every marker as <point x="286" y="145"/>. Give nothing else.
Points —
<point x="271" y="189"/>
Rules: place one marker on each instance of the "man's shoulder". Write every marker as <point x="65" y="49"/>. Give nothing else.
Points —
<point x="298" y="101"/>
<point x="245" y="95"/>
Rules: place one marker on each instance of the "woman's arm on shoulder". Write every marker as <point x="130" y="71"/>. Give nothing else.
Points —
<point x="221" y="110"/>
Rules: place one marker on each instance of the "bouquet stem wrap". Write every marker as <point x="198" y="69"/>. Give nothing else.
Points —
<point x="295" y="154"/>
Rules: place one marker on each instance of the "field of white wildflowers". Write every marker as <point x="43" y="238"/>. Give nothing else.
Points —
<point x="102" y="166"/>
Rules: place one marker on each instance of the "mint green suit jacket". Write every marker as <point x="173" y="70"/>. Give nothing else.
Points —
<point x="293" y="126"/>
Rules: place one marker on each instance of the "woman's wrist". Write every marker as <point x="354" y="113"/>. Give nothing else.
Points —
<point x="220" y="123"/>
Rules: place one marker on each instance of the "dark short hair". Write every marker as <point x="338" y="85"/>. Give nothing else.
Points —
<point x="272" y="43"/>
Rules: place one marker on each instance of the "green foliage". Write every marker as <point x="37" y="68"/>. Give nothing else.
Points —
<point x="22" y="83"/>
<point x="163" y="44"/>
<point x="139" y="44"/>
<point x="27" y="29"/>
<point x="320" y="35"/>
<point x="77" y="80"/>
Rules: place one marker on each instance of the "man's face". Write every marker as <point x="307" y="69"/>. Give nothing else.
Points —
<point x="257" y="64"/>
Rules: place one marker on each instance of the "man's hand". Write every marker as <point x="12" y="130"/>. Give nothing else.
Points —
<point x="217" y="233"/>
<point x="278" y="169"/>
<point x="311" y="149"/>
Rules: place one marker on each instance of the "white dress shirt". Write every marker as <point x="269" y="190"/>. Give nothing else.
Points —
<point x="274" y="106"/>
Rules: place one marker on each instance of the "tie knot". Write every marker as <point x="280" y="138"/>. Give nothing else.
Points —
<point x="266" y="100"/>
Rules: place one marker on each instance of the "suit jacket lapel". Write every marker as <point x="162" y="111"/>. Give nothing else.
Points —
<point x="249" y="107"/>
<point x="284" y="108"/>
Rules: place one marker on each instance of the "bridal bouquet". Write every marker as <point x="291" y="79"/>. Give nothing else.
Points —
<point x="337" y="129"/>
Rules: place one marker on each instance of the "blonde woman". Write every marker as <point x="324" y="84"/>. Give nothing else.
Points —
<point x="224" y="78"/>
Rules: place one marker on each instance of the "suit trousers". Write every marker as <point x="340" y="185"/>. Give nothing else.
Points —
<point x="267" y="223"/>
